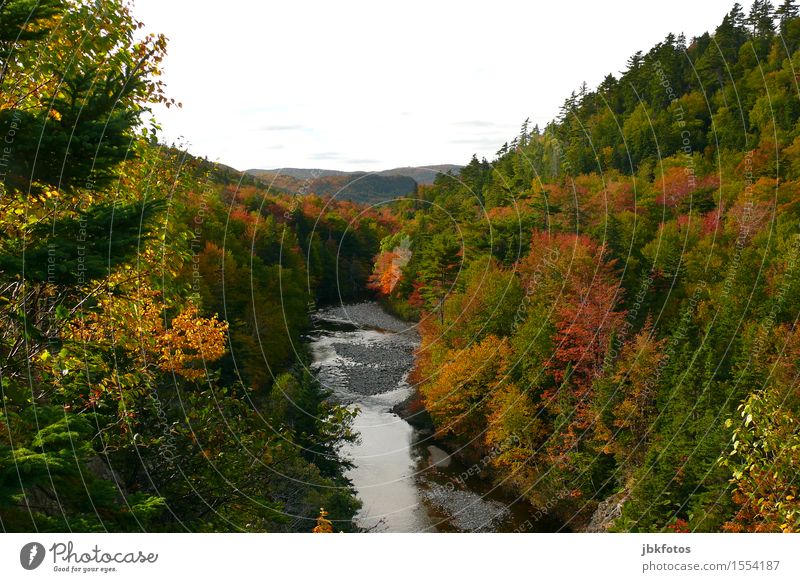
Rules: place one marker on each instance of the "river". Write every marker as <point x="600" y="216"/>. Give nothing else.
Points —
<point x="406" y="483"/>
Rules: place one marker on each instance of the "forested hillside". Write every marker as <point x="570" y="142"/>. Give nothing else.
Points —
<point x="358" y="187"/>
<point x="609" y="307"/>
<point x="151" y="306"/>
<point x="362" y="187"/>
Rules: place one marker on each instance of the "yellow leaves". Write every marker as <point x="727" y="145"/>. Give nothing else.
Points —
<point x="266" y="456"/>
<point x="84" y="199"/>
<point x="21" y="211"/>
<point x="763" y="464"/>
<point x="513" y="424"/>
<point x="137" y="325"/>
<point x="191" y="343"/>
<point x="323" y="525"/>
<point x="457" y="396"/>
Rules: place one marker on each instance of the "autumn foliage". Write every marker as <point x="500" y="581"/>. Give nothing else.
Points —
<point x="608" y="307"/>
<point x="458" y="395"/>
<point x="184" y="347"/>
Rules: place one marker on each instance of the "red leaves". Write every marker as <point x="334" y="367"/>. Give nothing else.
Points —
<point x="584" y="324"/>
<point x="680" y="525"/>
<point x="388" y="268"/>
<point x="386" y="273"/>
<point x="584" y="316"/>
<point x="676" y="184"/>
<point x="680" y="182"/>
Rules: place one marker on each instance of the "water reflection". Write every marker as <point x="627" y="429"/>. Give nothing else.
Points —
<point x="406" y="483"/>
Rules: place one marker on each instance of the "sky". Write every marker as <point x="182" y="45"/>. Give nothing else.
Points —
<point x="374" y="85"/>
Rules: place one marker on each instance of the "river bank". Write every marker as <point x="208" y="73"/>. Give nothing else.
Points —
<point x="406" y="480"/>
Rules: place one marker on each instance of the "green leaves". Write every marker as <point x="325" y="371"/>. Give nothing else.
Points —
<point x="50" y="474"/>
<point x="74" y="250"/>
<point x="25" y="20"/>
<point x="103" y="408"/>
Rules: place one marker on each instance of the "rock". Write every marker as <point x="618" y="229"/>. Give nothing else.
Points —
<point x="468" y="511"/>
<point x="366" y="315"/>
<point x="414" y="413"/>
<point x="606" y="513"/>
<point x="439" y="458"/>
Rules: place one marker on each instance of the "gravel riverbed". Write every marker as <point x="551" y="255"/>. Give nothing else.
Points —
<point x="406" y="483"/>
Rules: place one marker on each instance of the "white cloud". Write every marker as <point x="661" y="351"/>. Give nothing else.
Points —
<point x="274" y="84"/>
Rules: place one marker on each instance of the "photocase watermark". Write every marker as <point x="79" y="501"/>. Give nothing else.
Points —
<point x="548" y="261"/>
<point x="686" y="149"/>
<point x="167" y="448"/>
<point x="66" y="557"/>
<point x="288" y="215"/>
<point x="679" y="336"/>
<point x="769" y="322"/>
<point x="31" y="555"/>
<point x="84" y="204"/>
<point x="746" y="224"/>
<point x="478" y="467"/>
<point x="7" y="147"/>
<point x="305" y="187"/>
<point x="194" y="246"/>
<point x="542" y="511"/>
<point x="632" y="315"/>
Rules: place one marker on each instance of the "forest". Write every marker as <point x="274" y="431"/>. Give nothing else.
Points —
<point x="608" y="307"/>
<point x="611" y="303"/>
<point x="143" y="386"/>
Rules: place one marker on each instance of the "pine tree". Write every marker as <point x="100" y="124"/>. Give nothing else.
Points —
<point x="71" y="251"/>
<point x="786" y="12"/>
<point x="737" y="17"/>
<point x="23" y="21"/>
<point x="761" y="20"/>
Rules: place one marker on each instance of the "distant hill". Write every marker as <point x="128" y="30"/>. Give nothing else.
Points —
<point x="422" y="174"/>
<point x="300" y="173"/>
<point x="364" y="187"/>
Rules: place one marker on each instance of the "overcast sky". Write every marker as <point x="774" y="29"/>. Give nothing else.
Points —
<point x="371" y="85"/>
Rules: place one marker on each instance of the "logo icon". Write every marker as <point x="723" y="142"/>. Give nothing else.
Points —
<point x="31" y="555"/>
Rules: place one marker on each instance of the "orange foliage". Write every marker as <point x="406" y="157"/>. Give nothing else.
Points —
<point x="138" y="327"/>
<point x="386" y="274"/>
<point x="388" y="268"/>
<point x="679" y="182"/>
<point x="324" y="525"/>
<point x="457" y="397"/>
<point x="680" y="525"/>
<point x="621" y="196"/>
<point x="676" y="184"/>
<point x="635" y="378"/>
<point x="572" y="274"/>
<point x="746" y="218"/>
<point x="764" y="502"/>
<point x="191" y="342"/>
<point x="514" y="430"/>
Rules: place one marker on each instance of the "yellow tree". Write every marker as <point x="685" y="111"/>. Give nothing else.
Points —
<point x="457" y="397"/>
<point x="324" y="525"/>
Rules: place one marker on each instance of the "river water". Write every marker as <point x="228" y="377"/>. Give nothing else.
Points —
<point x="405" y="482"/>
